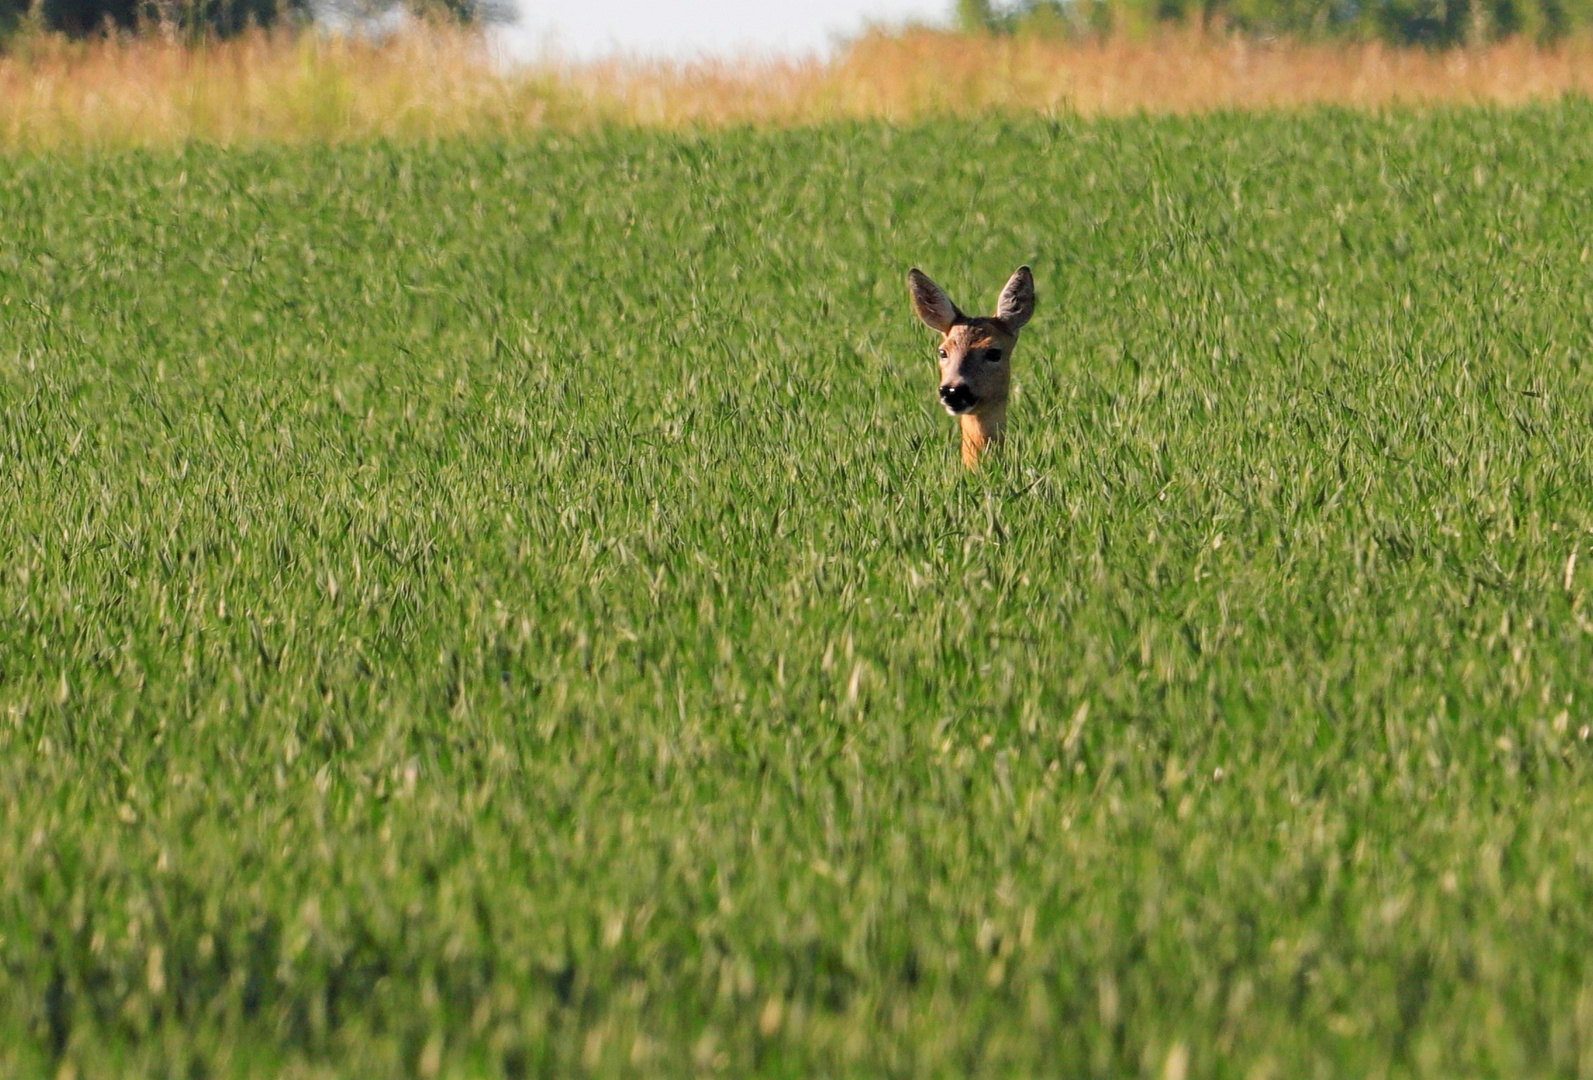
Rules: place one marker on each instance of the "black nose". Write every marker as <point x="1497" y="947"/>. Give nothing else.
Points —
<point x="956" y="397"/>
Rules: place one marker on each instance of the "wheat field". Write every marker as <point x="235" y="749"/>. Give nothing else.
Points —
<point x="487" y="590"/>
<point x="513" y="607"/>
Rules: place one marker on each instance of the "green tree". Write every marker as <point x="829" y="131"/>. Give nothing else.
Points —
<point x="224" y="18"/>
<point x="1431" y="23"/>
<point x="975" y="15"/>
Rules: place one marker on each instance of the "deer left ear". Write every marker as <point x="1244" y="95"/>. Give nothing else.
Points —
<point x="1017" y="300"/>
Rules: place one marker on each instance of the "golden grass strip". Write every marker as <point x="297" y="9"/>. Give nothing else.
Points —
<point x="1183" y="73"/>
<point x="260" y="87"/>
<point x="265" y="87"/>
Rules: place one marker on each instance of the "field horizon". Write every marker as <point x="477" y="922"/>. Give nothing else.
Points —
<point x="123" y="92"/>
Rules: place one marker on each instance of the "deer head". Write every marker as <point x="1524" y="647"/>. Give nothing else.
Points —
<point x="975" y="356"/>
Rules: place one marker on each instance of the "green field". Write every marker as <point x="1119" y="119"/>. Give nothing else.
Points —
<point x="516" y="609"/>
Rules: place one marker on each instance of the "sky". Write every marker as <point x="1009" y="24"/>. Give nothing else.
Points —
<point x="686" y="29"/>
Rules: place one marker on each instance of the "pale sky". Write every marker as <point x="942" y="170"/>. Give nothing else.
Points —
<point x="683" y="29"/>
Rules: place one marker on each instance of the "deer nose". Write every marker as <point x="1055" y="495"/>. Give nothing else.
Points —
<point x="956" y="398"/>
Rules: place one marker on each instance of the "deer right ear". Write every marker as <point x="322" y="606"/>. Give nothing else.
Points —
<point x="1016" y="305"/>
<point x="931" y="303"/>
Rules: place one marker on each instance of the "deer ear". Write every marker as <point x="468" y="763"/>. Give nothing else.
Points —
<point x="1017" y="300"/>
<point x="931" y="303"/>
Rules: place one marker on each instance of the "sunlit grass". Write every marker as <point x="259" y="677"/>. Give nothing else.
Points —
<point x="509" y="607"/>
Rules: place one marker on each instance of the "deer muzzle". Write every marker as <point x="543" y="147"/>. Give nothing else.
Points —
<point x="957" y="398"/>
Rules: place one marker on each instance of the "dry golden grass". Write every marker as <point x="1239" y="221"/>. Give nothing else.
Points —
<point x="1188" y="73"/>
<point x="261" y="87"/>
<point x="56" y="94"/>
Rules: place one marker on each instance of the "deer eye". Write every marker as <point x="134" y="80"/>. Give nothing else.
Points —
<point x="993" y="355"/>
<point x="943" y="354"/>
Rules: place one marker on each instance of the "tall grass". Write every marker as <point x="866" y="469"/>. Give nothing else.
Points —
<point x="513" y="607"/>
<point x="264" y="87"/>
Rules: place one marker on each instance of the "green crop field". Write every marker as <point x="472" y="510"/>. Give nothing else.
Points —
<point x="515" y="609"/>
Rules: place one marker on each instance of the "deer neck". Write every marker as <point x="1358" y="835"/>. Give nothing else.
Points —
<point x="982" y="432"/>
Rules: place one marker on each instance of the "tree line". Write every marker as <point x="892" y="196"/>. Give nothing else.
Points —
<point x="224" y="18"/>
<point x="1399" y="22"/>
<point x="1433" y="23"/>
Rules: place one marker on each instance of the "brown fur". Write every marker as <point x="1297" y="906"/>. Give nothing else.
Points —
<point x="966" y="370"/>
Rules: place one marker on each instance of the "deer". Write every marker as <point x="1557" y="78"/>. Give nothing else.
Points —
<point x="975" y="356"/>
